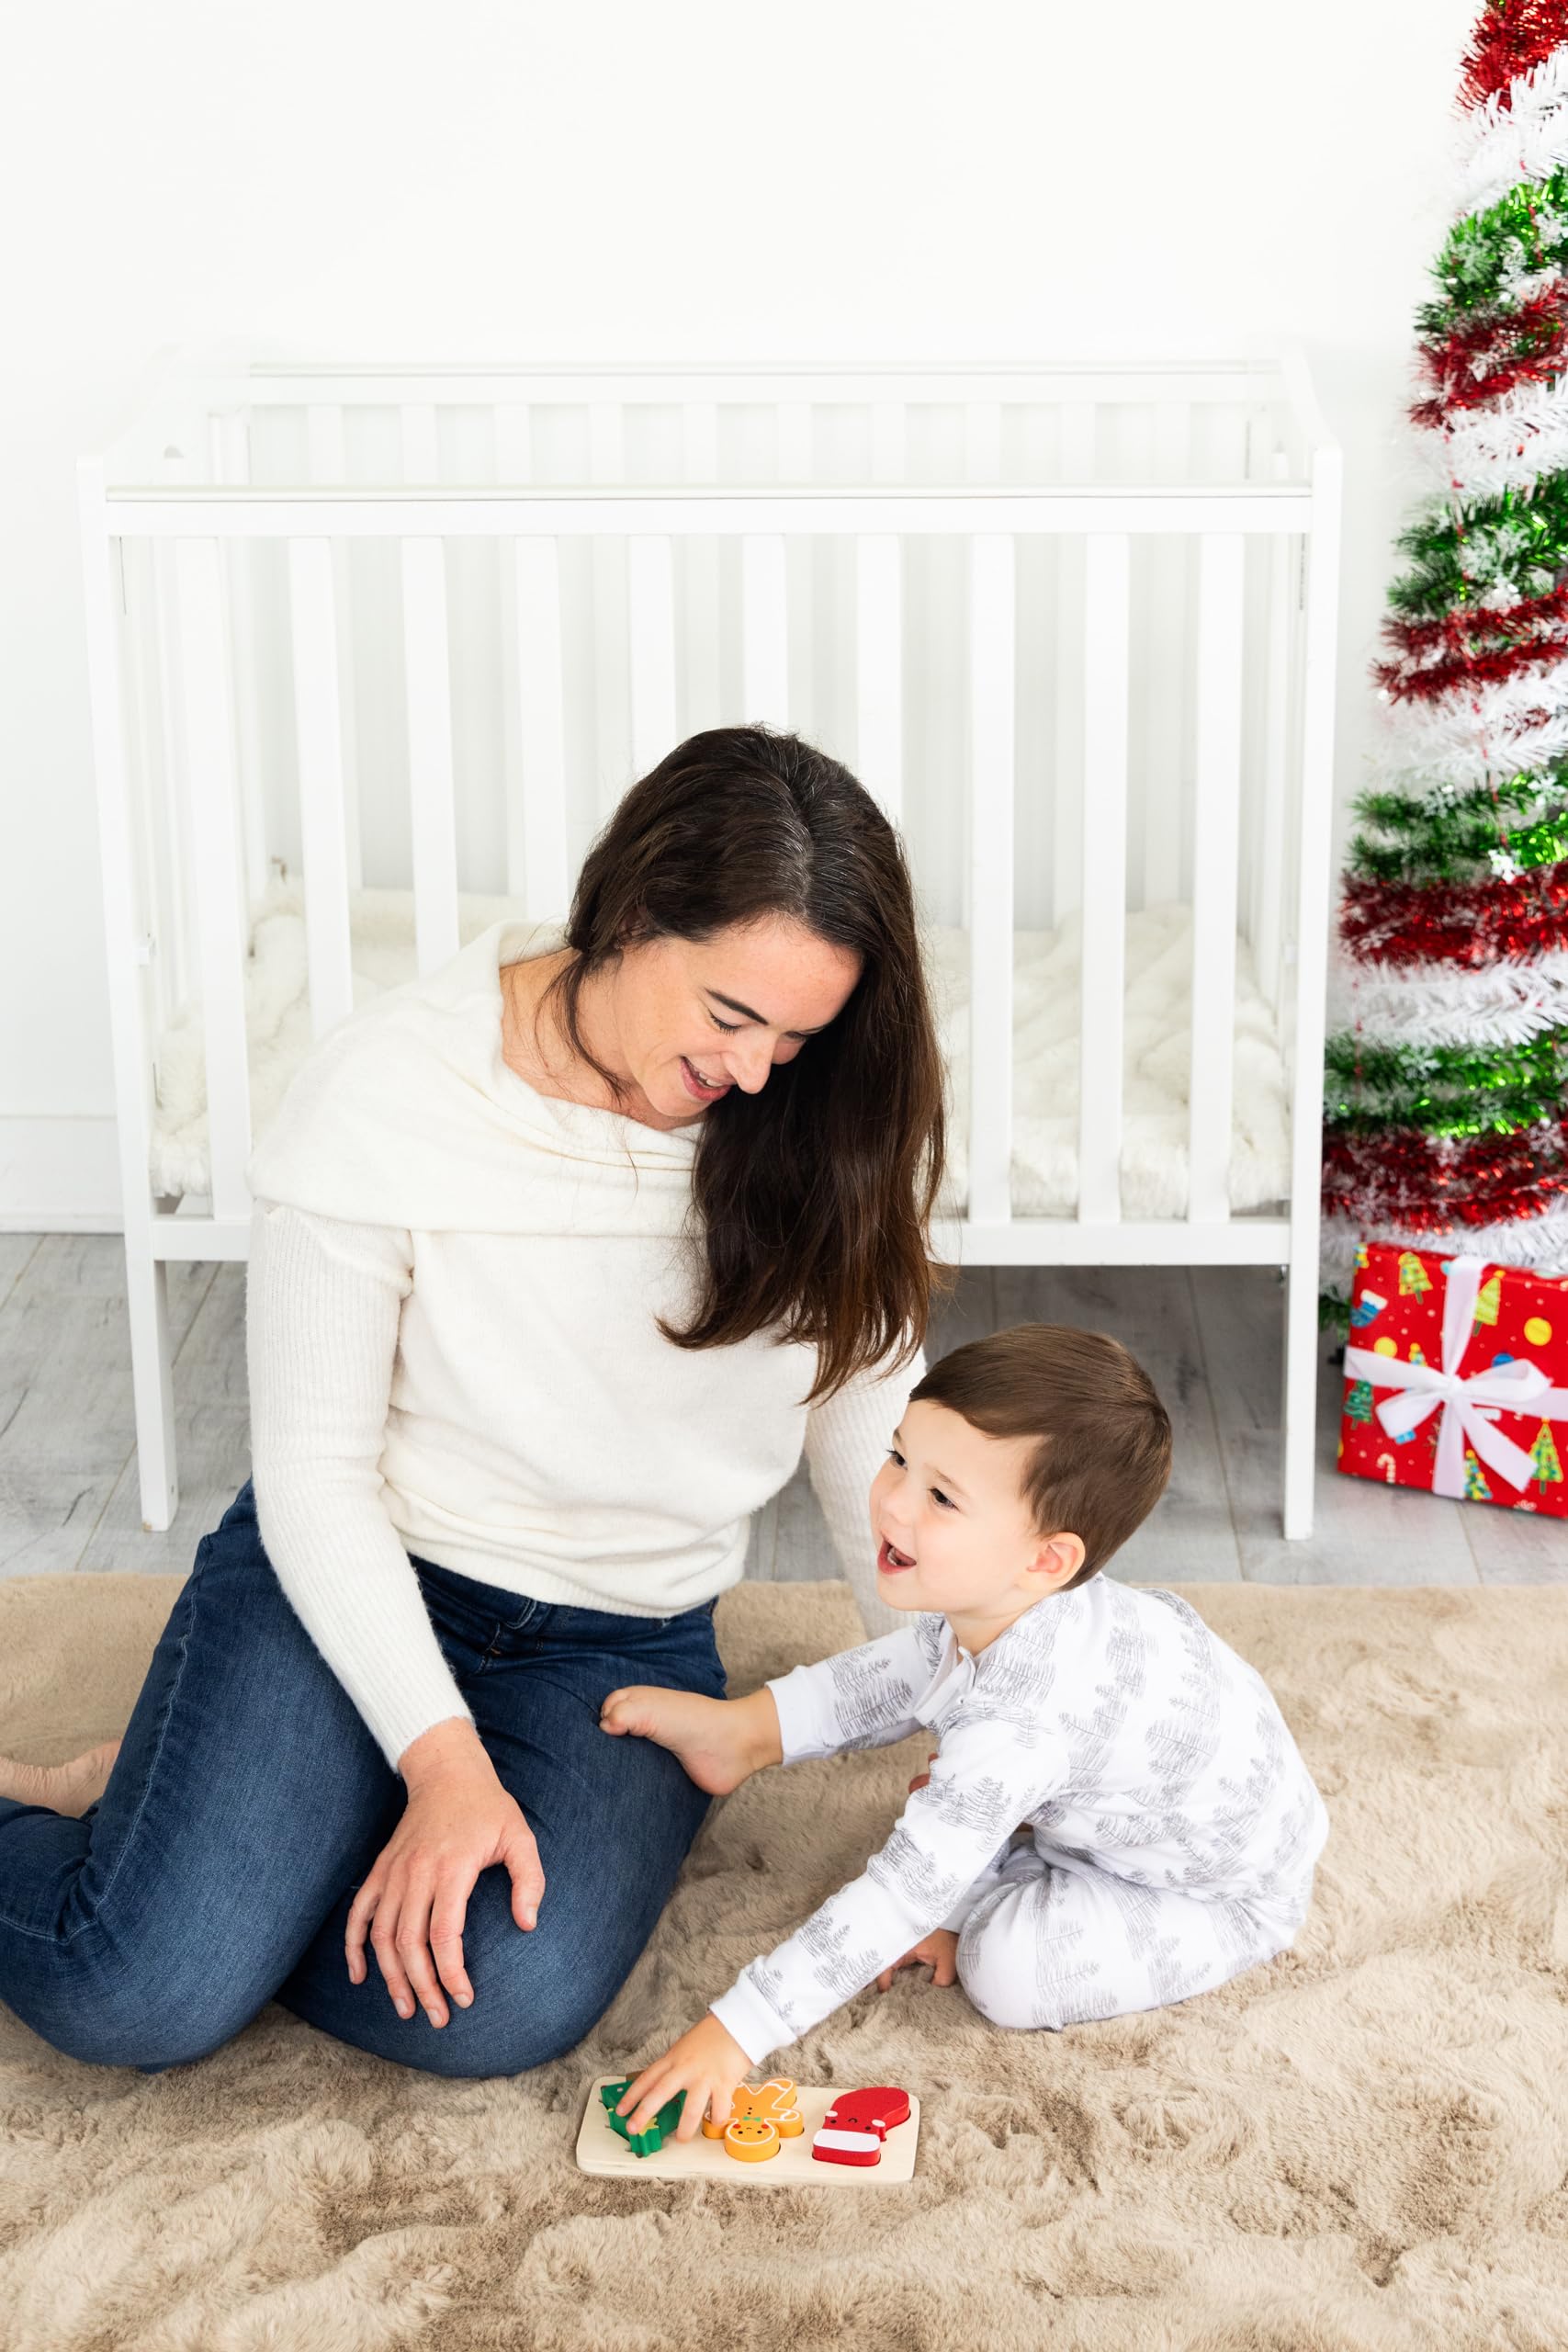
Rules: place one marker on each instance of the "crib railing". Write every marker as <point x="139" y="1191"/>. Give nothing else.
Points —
<point x="1228" y="795"/>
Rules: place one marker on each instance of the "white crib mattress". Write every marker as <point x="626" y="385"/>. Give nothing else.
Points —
<point x="1045" y="1044"/>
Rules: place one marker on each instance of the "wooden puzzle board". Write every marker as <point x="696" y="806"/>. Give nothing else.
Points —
<point x="601" y="2149"/>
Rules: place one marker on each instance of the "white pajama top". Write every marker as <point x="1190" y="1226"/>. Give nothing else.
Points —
<point x="1107" y="1716"/>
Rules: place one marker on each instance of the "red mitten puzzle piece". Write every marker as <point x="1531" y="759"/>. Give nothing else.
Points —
<point x="855" y="2127"/>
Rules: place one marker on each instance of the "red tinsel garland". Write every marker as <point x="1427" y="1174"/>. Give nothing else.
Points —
<point x="1480" y="361"/>
<point x="1512" y="36"/>
<point x="1475" y="924"/>
<point x="1539" y="627"/>
<point x="1425" y="1184"/>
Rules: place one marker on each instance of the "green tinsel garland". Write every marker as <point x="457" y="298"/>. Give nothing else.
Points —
<point x="1457" y="847"/>
<point x="1524" y="231"/>
<point x="1411" y="813"/>
<point x="1519" y="538"/>
<point x="1448" y="1091"/>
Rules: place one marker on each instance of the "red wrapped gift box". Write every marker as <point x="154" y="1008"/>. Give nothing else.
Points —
<point x="1456" y="1379"/>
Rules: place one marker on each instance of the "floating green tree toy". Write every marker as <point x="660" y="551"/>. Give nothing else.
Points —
<point x="641" y="2143"/>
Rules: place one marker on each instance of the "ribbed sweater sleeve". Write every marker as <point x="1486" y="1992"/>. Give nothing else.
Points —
<point x="323" y="1302"/>
<point x="847" y="1437"/>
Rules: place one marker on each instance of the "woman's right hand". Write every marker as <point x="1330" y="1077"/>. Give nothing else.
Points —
<point x="459" y="1820"/>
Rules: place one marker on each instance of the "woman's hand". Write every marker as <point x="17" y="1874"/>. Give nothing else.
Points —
<point x="705" y="2063"/>
<point x="938" y="1950"/>
<point x="459" y="1820"/>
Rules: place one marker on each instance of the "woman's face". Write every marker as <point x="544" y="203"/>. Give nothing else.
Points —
<point x="691" y="1019"/>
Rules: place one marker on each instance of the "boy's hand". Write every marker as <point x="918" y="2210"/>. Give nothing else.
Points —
<point x="705" y="2063"/>
<point x="940" y="1950"/>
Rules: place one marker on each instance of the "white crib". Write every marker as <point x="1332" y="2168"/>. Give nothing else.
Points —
<point x="372" y="651"/>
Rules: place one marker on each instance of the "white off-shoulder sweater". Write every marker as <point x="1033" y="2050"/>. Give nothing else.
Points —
<point x="453" y="1352"/>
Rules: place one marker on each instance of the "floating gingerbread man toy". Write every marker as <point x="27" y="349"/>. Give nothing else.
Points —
<point x="852" y="2130"/>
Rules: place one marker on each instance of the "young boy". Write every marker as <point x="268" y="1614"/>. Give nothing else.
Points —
<point x="1172" y="1827"/>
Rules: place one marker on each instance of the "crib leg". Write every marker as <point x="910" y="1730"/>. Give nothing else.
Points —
<point x="152" y="1379"/>
<point x="1298" y="1450"/>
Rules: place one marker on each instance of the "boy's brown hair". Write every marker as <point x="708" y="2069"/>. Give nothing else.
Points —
<point x="1104" y="1452"/>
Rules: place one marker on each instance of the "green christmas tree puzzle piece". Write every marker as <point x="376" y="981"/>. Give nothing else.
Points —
<point x="647" y="2142"/>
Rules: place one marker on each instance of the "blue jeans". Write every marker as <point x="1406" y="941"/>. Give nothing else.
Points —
<point x="249" y="1800"/>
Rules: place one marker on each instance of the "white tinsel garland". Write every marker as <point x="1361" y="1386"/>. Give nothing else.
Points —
<point x="1526" y="139"/>
<point x="1439" y="1004"/>
<point x="1506" y="725"/>
<point x="1506" y="447"/>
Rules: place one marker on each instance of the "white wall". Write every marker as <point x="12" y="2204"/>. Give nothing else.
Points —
<point x="836" y="180"/>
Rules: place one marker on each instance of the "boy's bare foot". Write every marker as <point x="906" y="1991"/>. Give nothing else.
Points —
<point x="62" y="1788"/>
<point x="704" y="1733"/>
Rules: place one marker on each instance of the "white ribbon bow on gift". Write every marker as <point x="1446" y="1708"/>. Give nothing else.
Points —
<point x="1470" y="1405"/>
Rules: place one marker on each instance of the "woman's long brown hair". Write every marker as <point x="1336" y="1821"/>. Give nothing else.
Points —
<point x="811" y="1198"/>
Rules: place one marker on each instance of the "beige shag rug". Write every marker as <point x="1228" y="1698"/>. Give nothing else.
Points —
<point x="1360" y="2147"/>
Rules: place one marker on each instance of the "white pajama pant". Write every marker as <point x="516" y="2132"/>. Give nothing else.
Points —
<point x="1055" y="1942"/>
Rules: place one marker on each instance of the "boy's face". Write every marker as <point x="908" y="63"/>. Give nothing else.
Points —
<point x="949" y="1499"/>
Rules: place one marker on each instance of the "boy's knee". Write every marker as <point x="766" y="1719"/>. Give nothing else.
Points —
<point x="994" y="1987"/>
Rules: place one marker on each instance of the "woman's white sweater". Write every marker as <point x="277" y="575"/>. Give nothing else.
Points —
<point x="452" y="1351"/>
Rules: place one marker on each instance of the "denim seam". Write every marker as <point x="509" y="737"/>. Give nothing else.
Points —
<point x="44" y="1935"/>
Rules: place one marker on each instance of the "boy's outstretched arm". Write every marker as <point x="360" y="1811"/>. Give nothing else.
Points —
<point x="985" y="1778"/>
<point x="860" y="1698"/>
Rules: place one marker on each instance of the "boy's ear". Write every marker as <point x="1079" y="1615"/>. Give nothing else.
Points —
<point x="1058" y="1559"/>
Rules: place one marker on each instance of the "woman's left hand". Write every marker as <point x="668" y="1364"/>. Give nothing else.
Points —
<point x="705" y="2063"/>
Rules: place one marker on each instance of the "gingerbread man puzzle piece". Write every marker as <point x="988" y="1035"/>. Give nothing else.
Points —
<point x="763" y="2115"/>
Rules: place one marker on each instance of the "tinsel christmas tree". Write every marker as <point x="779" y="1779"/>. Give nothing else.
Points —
<point x="1446" y="1123"/>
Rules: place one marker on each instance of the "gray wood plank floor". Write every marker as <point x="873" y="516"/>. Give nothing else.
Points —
<point x="1210" y="1339"/>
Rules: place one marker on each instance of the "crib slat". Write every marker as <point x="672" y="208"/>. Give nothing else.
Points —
<point x="231" y="445"/>
<point x="1276" y="776"/>
<point x="1216" y="819"/>
<point x="983" y="441"/>
<point x="514" y="463"/>
<point x="432" y="809"/>
<point x="879" y="628"/>
<point x="795" y="440"/>
<point x="764" y="629"/>
<point x="699" y="449"/>
<point x="428" y="691"/>
<point x="1078" y="450"/>
<point x="536" y="573"/>
<point x="879" y="669"/>
<point x="1100" y="1080"/>
<point x="1167" y="559"/>
<point x="327" y="461"/>
<point x="321" y="831"/>
<point x="650" y="588"/>
<point x="220" y="936"/>
<point x="607" y="559"/>
<point x="796" y="459"/>
<point x="992" y="633"/>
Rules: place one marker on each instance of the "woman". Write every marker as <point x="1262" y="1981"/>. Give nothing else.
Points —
<point x="558" y="1260"/>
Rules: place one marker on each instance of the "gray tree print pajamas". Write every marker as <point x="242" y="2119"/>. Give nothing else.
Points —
<point x="1174" y="1828"/>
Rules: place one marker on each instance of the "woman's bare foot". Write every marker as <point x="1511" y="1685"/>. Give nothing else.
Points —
<point x="62" y="1788"/>
<point x="707" y="1735"/>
